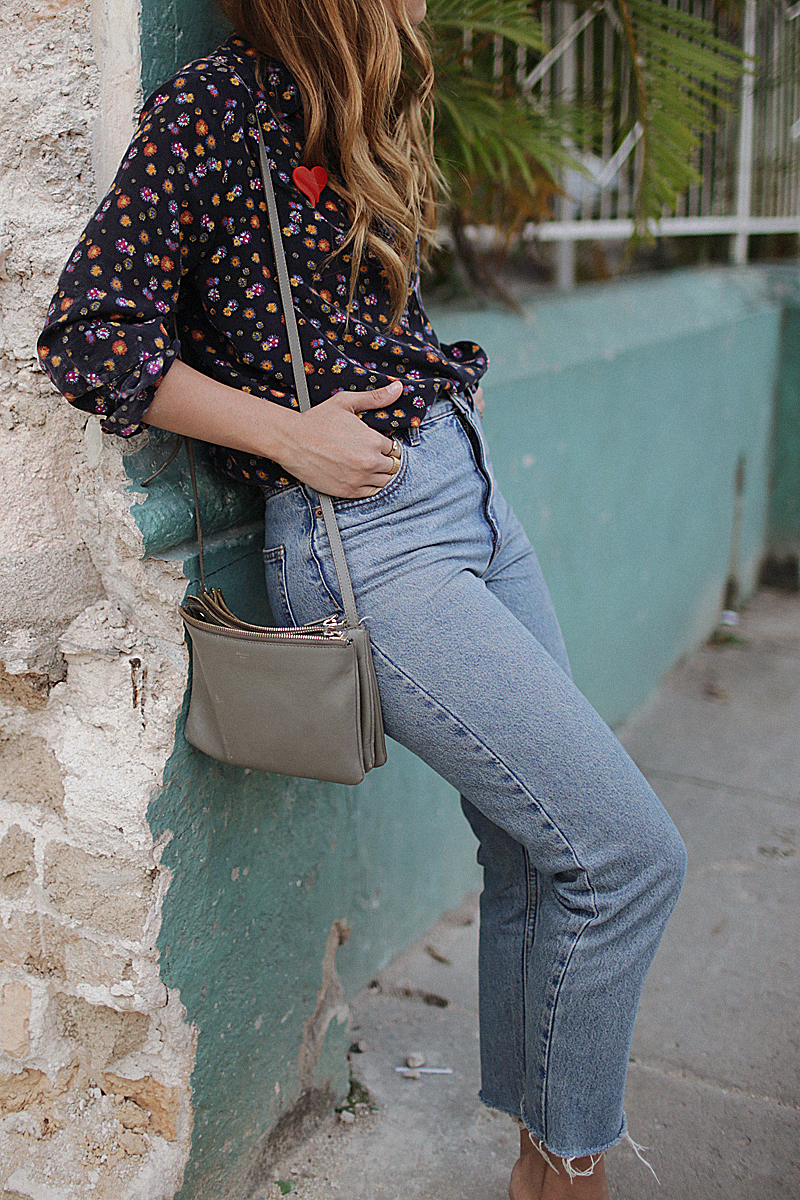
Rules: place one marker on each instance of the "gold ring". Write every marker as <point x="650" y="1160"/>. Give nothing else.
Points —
<point x="395" y="452"/>
<point x="395" y="466"/>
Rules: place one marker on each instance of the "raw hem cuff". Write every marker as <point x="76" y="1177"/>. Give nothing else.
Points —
<point x="581" y="1152"/>
<point x="547" y="1151"/>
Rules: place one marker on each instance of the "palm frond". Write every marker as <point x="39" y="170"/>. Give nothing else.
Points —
<point x="511" y="19"/>
<point x="485" y="130"/>
<point x="503" y="152"/>
<point x="681" y="73"/>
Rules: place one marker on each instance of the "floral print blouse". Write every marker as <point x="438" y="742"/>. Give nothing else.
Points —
<point x="177" y="261"/>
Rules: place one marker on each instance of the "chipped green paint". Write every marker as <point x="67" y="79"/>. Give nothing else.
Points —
<point x="165" y="507"/>
<point x="262" y="868"/>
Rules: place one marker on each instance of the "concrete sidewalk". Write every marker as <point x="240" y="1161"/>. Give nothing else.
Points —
<point x="714" y="1087"/>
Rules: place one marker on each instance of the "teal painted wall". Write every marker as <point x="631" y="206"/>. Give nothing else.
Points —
<point x="615" y="418"/>
<point x="165" y="514"/>
<point x="173" y="32"/>
<point x="784" y="537"/>
<point x="263" y="867"/>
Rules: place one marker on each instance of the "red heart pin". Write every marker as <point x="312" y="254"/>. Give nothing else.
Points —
<point x="310" y="182"/>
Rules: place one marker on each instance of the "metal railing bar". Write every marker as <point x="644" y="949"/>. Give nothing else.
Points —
<point x="608" y="135"/>
<point x="744" y="185"/>
<point x="552" y="57"/>
<point x="467" y="45"/>
<point x="587" y="94"/>
<point x="566" y="209"/>
<point x="620" y="229"/>
<point x="782" y="127"/>
<point x="547" y="34"/>
<point x="619" y="157"/>
<point x="613" y="19"/>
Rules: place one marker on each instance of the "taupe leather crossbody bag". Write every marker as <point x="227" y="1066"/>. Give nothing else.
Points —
<point x="296" y="701"/>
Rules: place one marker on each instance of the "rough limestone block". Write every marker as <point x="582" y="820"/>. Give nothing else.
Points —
<point x="109" y="894"/>
<point x="102" y="1034"/>
<point x="44" y="945"/>
<point x="20" y="1091"/>
<point x="30" y="773"/>
<point x="89" y="960"/>
<point x="162" y="1103"/>
<point x="47" y="948"/>
<point x="29" y="689"/>
<point x="15" y="942"/>
<point x="81" y="749"/>
<point x="17" y="868"/>
<point x="15" y="1019"/>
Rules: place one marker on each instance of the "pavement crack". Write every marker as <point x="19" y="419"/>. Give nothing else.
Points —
<point x="698" y="781"/>
<point x="713" y="1085"/>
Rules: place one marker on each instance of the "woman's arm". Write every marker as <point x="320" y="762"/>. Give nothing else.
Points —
<point x="328" y="447"/>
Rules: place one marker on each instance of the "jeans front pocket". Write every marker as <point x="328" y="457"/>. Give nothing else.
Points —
<point x="384" y="493"/>
<point x="277" y="592"/>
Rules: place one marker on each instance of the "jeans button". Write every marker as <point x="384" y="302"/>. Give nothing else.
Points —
<point x="317" y="512"/>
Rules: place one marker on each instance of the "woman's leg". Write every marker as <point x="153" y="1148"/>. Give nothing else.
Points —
<point x="541" y="1176"/>
<point x="516" y="579"/>
<point x="574" y="931"/>
<point x="591" y="864"/>
<point x="511" y="886"/>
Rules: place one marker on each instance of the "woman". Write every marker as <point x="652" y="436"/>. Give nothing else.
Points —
<point x="168" y="314"/>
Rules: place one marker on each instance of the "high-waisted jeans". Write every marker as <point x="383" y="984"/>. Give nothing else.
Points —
<point x="582" y="865"/>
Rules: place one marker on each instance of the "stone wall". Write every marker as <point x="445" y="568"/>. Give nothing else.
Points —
<point x="95" y="1053"/>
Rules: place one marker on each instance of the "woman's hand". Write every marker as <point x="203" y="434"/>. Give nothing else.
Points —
<point x="328" y="447"/>
<point x="332" y="450"/>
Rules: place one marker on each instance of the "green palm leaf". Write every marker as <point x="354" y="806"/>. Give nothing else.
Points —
<point x="681" y="74"/>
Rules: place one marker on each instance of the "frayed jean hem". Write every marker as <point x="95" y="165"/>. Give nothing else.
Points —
<point x="567" y="1160"/>
<point x="558" y="1152"/>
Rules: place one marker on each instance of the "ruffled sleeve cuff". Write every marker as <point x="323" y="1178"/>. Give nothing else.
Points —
<point x="121" y="406"/>
<point x="132" y="398"/>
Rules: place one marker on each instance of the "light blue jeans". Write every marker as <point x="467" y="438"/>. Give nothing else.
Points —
<point x="582" y="865"/>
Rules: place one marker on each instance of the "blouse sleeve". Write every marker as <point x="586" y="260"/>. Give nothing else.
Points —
<point x="110" y="337"/>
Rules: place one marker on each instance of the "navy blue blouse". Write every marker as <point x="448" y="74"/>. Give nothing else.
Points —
<point x="177" y="261"/>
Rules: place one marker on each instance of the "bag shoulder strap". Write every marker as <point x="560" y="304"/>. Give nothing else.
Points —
<point x="300" y="382"/>
<point x="301" y="387"/>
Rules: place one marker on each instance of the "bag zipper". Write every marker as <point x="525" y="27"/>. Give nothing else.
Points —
<point x="337" y="632"/>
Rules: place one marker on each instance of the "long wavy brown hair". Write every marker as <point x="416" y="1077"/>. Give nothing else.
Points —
<point x="366" y="79"/>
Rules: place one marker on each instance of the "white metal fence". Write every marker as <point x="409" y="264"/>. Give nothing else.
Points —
<point x="749" y="167"/>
